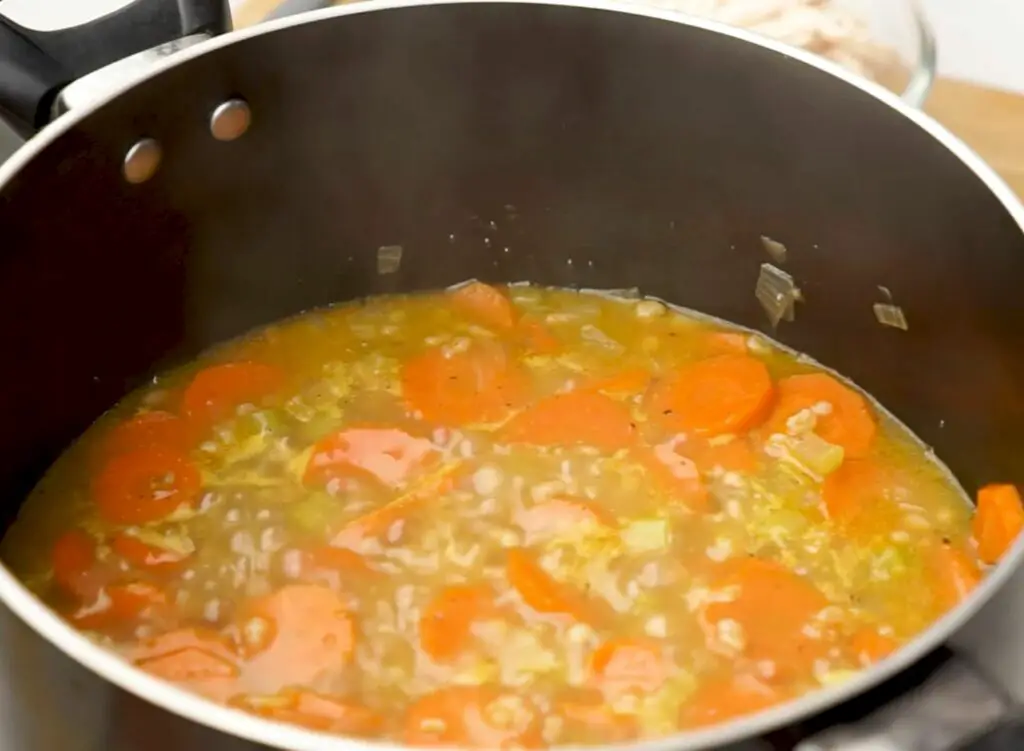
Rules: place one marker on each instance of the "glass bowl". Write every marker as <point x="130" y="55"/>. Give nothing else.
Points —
<point x="888" y="41"/>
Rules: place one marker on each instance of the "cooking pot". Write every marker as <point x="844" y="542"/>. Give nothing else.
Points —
<point x="250" y="176"/>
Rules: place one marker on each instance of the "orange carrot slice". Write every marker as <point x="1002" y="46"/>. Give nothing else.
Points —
<point x="562" y="516"/>
<point x="869" y="646"/>
<point x="119" y="604"/>
<point x="998" y="521"/>
<point x="478" y="385"/>
<point x="854" y="498"/>
<point x="727" y="699"/>
<point x="537" y="338"/>
<point x="388" y="455"/>
<point x="620" y="666"/>
<point x="543" y="593"/>
<point x="330" y="558"/>
<point x="955" y="575"/>
<point x="313" y="710"/>
<point x="145" y="485"/>
<point x="727" y="342"/>
<point x="473" y="717"/>
<point x="217" y="391"/>
<point x="378" y="521"/>
<point x="295" y="635"/>
<point x="626" y="382"/>
<point x="848" y="423"/>
<point x="486" y="305"/>
<point x="142" y="555"/>
<point x="73" y="558"/>
<point x="676" y="475"/>
<point x="736" y="455"/>
<point x="447" y="620"/>
<point x="726" y="394"/>
<point x="147" y="431"/>
<point x="772" y="607"/>
<point x="200" y="660"/>
<point x="573" y="418"/>
<point x="597" y="721"/>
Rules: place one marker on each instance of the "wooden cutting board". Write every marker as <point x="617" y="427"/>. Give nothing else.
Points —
<point x="989" y="121"/>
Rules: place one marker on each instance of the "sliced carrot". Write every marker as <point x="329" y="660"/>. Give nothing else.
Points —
<point x="378" y="521"/>
<point x="854" y="498"/>
<point x="955" y="575"/>
<point x="388" y="455"/>
<point x="481" y="384"/>
<point x="147" y="431"/>
<point x="725" y="700"/>
<point x="848" y="422"/>
<point x="145" y="485"/>
<point x="74" y="557"/>
<point x="295" y="635"/>
<point x="543" y="593"/>
<point x="998" y="521"/>
<point x="725" y="394"/>
<point x="676" y="475"/>
<point x="447" y="620"/>
<point x="313" y="710"/>
<point x="486" y="305"/>
<point x="727" y="342"/>
<point x="598" y="721"/>
<point x="537" y="338"/>
<point x="869" y="646"/>
<point x="200" y="660"/>
<point x="576" y="417"/>
<point x="141" y="554"/>
<point x="473" y="717"/>
<point x="330" y="558"/>
<point x="217" y="391"/>
<point x="562" y="516"/>
<point x="736" y="455"/>
<point x="772" y="606"/>
<point x="120" y="604"/>
<point x="631" y="381"/>
<point x="623" y="665"/>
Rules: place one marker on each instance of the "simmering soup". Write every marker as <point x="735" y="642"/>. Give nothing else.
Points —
<point x="503" y="517"/>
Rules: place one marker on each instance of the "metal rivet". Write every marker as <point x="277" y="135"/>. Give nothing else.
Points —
<point x="230" y="120"/>
<point x="142" y="160"/>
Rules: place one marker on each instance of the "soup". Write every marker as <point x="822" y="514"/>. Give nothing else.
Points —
<point x="503" y="517"/>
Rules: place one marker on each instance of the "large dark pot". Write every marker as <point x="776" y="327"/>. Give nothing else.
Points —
<point x="567" y="144"/>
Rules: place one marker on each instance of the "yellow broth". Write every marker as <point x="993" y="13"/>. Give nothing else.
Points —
<point x="559" y="539"/>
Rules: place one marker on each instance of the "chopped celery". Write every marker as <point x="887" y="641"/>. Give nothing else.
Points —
<point x="175" y="542"/>
<point x="646" y="535"/>
<point x="811" y="453"/>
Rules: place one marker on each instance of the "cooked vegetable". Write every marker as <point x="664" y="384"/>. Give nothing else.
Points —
<point x="725" y="394"/>
<point x="542" y="592"/>
<point x="145" y="485"/>
<point x="503" y="519"/>
<point x="215" y="392"/>
<point x="485" y="304"/>
<point x="998" y="521"/>
<point x="840" y="415"/>
<point x="481" y="384"/>
<point x="574" y="418"/>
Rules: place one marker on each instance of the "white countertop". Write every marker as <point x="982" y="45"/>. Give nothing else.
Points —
<point x="979" y="40"/>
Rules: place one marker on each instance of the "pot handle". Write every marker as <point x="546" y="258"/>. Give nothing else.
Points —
<point x="35" y="65"/>
<point x="957" y="709"/>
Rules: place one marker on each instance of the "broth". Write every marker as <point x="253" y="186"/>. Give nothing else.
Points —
<point x="502" y="517"/>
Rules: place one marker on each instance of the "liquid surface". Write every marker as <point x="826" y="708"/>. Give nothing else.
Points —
<point x="498" y="517"/>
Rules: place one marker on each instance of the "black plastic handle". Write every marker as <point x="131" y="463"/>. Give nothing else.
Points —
<point x="35" y="65"/>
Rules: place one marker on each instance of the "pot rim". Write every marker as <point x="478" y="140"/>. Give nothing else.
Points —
<point x="109" y="666"/>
